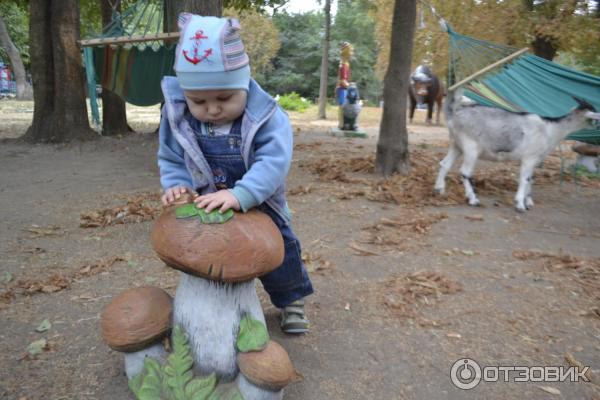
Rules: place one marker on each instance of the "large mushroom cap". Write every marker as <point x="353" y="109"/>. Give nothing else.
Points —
<point x="245" y="247"/>
<point x="270" y="368"/>
<point x="136" y="318"/>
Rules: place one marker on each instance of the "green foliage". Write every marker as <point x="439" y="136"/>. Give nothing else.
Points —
<point x="297" y="67"/>
<point x="253" y="335"/>
<point x="213" y="217"/>
<point x="258" y="5"/>
<point x="298" y="62"/>
<point x="354" y="23"/>
<point x="261" y="39"/>
<point x="16" y="20"/>
<point x="293" y="102"/>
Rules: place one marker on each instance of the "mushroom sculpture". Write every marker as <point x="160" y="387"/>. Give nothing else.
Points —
<point x="135" y="322"/>
<point x="588" y="156"/>
<point x="216" y="304"/>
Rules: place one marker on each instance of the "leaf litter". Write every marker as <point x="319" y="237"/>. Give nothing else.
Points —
<point x="56" y="282"/>
<point x="584" y="271"/>
<point x="138" y="208"/>
<point x="404" y="294"/>
<point x="416" y="189"/>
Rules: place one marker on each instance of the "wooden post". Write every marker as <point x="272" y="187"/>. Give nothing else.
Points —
<point x="130" y="39"/>
<point x="488" y="68"/>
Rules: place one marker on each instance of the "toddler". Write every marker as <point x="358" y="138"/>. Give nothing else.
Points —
<point x="225" y="139"/>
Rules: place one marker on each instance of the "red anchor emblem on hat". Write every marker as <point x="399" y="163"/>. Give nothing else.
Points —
<point x="198" y="36"/>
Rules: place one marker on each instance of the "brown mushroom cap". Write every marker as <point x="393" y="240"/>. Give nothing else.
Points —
<point x="136" y="318"/>
<point x="586" y="149"/>
<point x="245" y="247"/>
<point x="270" y="368"/>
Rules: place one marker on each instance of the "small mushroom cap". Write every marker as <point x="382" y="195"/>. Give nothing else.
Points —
<point x="247" y="246"/>
<point x="270" y="368"/>
<point x="586" y="149"/>
<point x="137" y="318"/>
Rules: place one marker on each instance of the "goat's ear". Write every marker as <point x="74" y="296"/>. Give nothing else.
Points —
<point x="583" y="105"/>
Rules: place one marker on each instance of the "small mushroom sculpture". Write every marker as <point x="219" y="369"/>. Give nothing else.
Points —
<point x="216" y="304"/>
<point x="587" y="156"/>
<point x="135" y="322"/>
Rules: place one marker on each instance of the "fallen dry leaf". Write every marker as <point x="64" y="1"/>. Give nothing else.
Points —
<point x="550" y="389"/>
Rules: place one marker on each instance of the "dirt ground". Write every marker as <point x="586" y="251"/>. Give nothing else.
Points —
<point x="406" y="283"/>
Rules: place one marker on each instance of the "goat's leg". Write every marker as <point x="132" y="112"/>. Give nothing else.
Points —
<point x="524" y="190"/>
<point x="445" y="166"/>
<point x="438" y="110"/>
<point x="466" y="173"/>
<point x="528" y="199"/>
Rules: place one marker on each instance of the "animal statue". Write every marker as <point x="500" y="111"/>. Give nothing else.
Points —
<point x="493" y="134"/>
<point x="426" y="88"/>
<point x="351" y="108"/>
<point x="220" y="344"/>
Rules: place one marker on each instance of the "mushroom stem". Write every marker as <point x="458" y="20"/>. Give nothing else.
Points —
<point x="210" y="312"/>
<point x="253" y="392"/>
<point x="134" y="361"/>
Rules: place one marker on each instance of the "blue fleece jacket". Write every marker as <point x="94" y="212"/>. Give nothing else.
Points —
<point x="266" y="149"/>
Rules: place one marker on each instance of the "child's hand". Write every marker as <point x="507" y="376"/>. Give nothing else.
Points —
<point x="174" y="193"/>
<point x="222" y="198"/>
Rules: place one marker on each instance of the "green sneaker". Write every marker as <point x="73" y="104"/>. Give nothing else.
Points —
<point x="293" y="319"/>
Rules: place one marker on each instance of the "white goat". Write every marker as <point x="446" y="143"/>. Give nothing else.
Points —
<point x="489" y="133"/>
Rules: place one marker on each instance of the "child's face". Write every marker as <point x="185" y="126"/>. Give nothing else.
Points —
<point x="216" y="106"/>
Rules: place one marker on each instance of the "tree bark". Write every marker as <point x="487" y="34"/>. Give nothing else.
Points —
<point x="60" y="113"/>
<point x="24" y="90"/>
<point x="114" y="115"/>
<point x="325" y="63"/>
<point x="392" y="146"/>
<point x="201" y="7"/>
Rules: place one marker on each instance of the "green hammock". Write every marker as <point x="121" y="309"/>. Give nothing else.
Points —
<point x="526" y="83"/>
<point x="132" y="70"/>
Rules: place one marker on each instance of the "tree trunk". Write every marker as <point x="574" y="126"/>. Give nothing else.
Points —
<point x="60" y="113"/>
<point x="201" y="7"/>
<point x="114" y="116"/>
<point x="325" y="63"/>
<point x="24" y="91"/>
<point x="392" y="146"/>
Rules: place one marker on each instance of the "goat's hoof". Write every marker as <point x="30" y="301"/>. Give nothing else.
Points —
<point x="440" y="191"/>
<point x="474" y="202"/>
<point x="529" y="203"/>
<point x="521" y="209"/>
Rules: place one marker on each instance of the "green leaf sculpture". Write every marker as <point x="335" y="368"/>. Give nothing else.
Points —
<point x="201" y="388"/>
<point x="213" y="217"/>
<point x="253" y="335"/>
<point x="186" y="211"/>
<point x="178" y="369"/>
<point x="151" y="387"/>
<point x="175" y="381"/>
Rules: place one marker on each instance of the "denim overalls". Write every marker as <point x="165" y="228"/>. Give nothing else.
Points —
<point x="289" y="282"/>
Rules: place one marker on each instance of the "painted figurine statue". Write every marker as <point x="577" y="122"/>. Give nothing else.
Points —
<point x="343" y="81"/>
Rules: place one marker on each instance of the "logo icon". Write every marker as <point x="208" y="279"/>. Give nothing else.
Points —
<point x="465" y="374"/>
